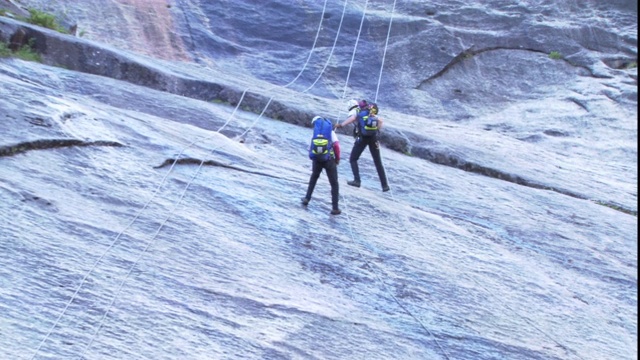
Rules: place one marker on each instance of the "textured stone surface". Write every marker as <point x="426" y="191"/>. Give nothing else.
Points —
<point x="139" y="221"/>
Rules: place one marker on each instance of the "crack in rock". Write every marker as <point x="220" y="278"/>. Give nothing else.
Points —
<point x="46" y="144"/>
<point x="193" y="161"/>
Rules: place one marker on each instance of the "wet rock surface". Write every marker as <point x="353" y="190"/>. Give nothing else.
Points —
<point x="145" y="215"/>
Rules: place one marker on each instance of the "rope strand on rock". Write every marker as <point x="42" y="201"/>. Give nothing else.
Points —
<point x="153" y="196"/>
<point x="155" y="235"/>
<point x="352" y="235"/>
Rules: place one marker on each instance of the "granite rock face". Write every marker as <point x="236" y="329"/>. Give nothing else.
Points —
<point x="151" y="170"/>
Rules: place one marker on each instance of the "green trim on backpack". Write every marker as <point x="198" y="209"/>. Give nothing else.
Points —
<point x="367" y="124"/>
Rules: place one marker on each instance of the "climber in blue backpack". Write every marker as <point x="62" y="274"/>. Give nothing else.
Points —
<point x="368" y="125"/>
<point x="324" y="151"/>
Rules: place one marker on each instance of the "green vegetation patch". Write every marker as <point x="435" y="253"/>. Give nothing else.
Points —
<point x="555" y="55"/>
<point x="26" y="52"/>
<point x="45" y="20"/>
<point x="4" y="50"/>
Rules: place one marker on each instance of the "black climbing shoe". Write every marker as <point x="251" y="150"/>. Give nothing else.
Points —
<point x="385" y="189"/>
<point x="305" y="201"/>
<point x="354" y="183"/>
<point x="336" y="212"/>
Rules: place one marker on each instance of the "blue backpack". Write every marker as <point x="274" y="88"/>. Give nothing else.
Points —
<point x="367" y="123"/>
<point x="321" y="147"/>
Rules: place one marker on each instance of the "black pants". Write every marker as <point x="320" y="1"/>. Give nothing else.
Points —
<point x="374" y="148"/>
<point x="331" y="169"/>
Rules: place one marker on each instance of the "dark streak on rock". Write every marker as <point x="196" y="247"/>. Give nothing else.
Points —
<point x="446" y="159"/>
<point x="51" y="144"/>
<point x="192" y="161"/>
<point x="470" y="53"/>
<point x="579" y="103"/>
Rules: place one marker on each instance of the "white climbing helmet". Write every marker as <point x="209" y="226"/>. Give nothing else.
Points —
<point x="351" y="104"/>
<point x="315" y="118"/>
